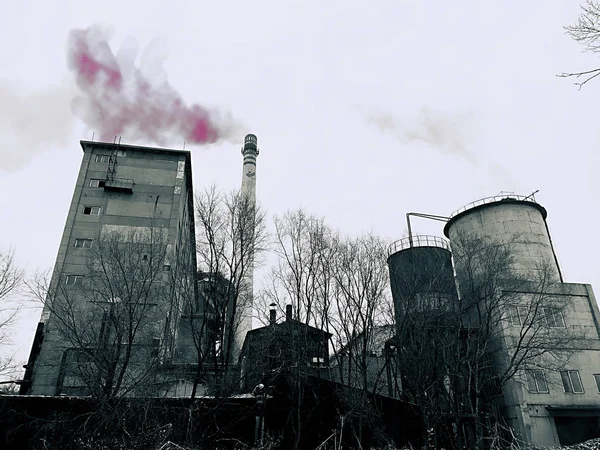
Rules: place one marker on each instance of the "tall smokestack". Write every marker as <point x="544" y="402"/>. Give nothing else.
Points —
<point x="244" y="324"/>
<point x="250" y="152"/>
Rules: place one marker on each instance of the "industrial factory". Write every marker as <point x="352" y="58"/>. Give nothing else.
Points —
<point x="142" y="199"/>
<point x="544" y="403"/>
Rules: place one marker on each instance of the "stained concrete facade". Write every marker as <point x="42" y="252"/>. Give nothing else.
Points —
<point x="518" y="222"/>
<point x="537" y="414"/>
<point x="130" y="190"/>
<point x="542" y="413"/>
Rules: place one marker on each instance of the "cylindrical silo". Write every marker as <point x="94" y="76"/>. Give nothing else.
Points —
<point x="421" y="276"/>
<point x="516" y="222"/>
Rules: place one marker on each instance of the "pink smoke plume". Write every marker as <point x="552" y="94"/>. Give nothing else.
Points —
<point x="116" y="101"/>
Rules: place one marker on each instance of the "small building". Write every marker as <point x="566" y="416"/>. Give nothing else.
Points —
<point x="365" y="354"/>
<point x="289" y="344"/>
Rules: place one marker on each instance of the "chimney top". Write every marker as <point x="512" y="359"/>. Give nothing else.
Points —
<point x="288" y="312"/>
<point x="272" y="314"/>
<point x="250" y="145"/>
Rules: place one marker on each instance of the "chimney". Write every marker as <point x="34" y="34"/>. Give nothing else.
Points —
<point x="248" y="191"/>
<point x="272" y="314"/>
<point x="250" y="152"/>
<point x="288" y="312"/>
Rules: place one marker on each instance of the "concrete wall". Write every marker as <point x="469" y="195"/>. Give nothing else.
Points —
<point x="519" y="224"/>
<point x="421" y="280"/>
<point x="528" y="411"/>
<point x="160" y="199"/>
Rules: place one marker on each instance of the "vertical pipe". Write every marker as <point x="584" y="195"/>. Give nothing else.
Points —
<point x="410" y="240"/>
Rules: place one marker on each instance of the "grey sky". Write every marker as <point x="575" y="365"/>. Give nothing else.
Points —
<point x="304" y="76"/>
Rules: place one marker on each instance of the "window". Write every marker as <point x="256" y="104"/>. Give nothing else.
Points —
<point x="318" y="360"/>
<point x="73" y="280"/>
<point x="571" y="381"/>
<point x="91" y="210"/>
<point x="518" y="315"/>
<point x="167" y="267"/>
<point x="97" y="183"/>
<point x="554" y="318"/>
<point x="102" y="159"/>
<point x="83" y="243"/>
<point x="536" y="382"/>
<point x="597" y="379"/>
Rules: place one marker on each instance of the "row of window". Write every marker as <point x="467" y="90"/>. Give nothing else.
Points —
<point x="521" y="315"/>
<point x="537" y="384"/>
<point x="77" y="280"/>
<point x="105" y="159"/>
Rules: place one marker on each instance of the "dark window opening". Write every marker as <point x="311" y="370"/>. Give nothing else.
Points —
<point x="536" y="382"/>
<point x="554" y="318"/>
<point x="83" y="243"/>
<point x="96" y="183"/>
<point x="91" y="210"/>
<point x="597" y="379"/>
<point x="74" y="280"/>
<point x="571" y="381"/>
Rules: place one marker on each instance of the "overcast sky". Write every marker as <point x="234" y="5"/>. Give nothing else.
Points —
<point x="364" y="110"/>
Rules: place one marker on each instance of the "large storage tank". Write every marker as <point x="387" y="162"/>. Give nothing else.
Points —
<point x="421" y="276"/>
<point x="513" y="220"/>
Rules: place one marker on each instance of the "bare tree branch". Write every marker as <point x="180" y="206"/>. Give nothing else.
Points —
<point x="11" y="281"/>
<point x="231" y="240"/>
<point x="586" y="31"/>
<point x="112" y="318"/>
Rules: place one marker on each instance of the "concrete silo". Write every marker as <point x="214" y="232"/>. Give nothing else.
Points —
<point x="518" y="222"/>
<point x="421" y="276"/>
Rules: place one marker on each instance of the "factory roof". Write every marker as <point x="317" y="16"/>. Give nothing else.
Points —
<point x="113" y="145"/>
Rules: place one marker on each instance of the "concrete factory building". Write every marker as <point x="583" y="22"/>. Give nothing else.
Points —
<point x="545" y="407"/>
<point x="126" y="273"/>
<point x="550" y="399"/>
<point x="125" y="279"/>
<point x="139" y="200"/>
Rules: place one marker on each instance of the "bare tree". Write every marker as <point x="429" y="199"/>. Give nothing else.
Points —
<point x="11" y="280"/>
<point x="114" y="319"/>
<point x="457" y="358"/>
<point x="514" y="320"/>
<point x="305" y="247"/>
<point x="586" y="31"/>
<point x="231" y="239"/>
<point x="361" y="301"/>
<point x="338" y="285"/>
<point x="359" y="324"/>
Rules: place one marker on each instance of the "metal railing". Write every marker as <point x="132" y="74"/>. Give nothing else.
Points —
<point x="418" y="241"/>
<point x="496" y="198"/>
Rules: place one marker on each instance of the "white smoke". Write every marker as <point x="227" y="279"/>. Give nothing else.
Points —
<point x="443" y="132"/>
<point x="33" y="122"/>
